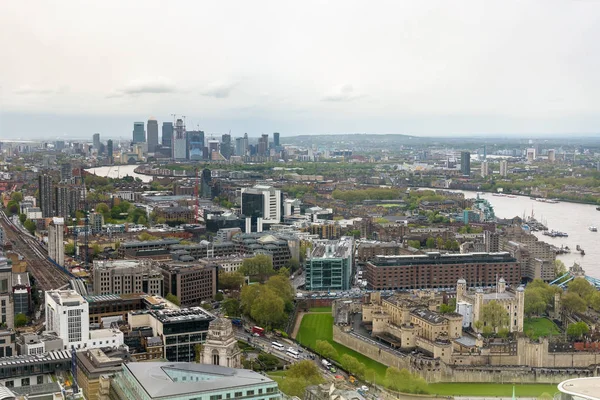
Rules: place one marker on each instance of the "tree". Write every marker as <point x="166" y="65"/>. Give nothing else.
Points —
<point x="231" y="281"/>
<point x="448" y="308"/>
<point x="268" y="309"/>
<point x="582" y="288"/>
<point x="414" y="243"/>
<point x="282" y="287"/>
<point x="20" y="320"/>
<point x="299" y="376"/>
<point x="231" y="307"/>
<point x="439" y="242"/>
<point x="70" y="249"/>
<point x="325" y="349"/>
<point x="142" y="220"/>
<point x="16" y="196"/>
<point x="559" y="268"/>
<point x="535" y="301"/>
<point x="293" y="265"/>
<point x="30" y="226"/>
<point x="577" y="330"/>
<point x="22" y="218"/>
<point x="573" y="303"/>
<point x="352" y="365"/>
<point x="494" y="315"/>
<point x="173" y="299"/>
<point x="247" y="297"/>
<point x="12" y="207"/>
<point x="430" y="243"/>
<point x="219" y="296"/>
<point x="103" y="209"/>
<point x="402" y="380"/>
<point x="259" y="267"/>
<point x="197" y="352"/>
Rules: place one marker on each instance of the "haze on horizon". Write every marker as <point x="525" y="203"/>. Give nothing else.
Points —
<point x="434" y="68"/>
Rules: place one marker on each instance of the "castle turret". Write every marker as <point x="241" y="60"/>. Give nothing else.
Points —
<point x="461" y="288"/>
<point x="501" y="285"/>
<point x="520" y="307"/>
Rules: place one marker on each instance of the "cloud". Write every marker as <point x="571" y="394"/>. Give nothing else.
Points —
<point x="28" y="90"/>
<point x="342" y="93"/>
<point x="219" y="90"/>
<point x="145" y="86"/>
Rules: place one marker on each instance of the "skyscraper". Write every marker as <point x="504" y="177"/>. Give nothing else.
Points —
<point x="45" y="195"/>
<point x="96" y="139"/>
<point x="275" y="139"/>
<point x="226" y="149"/>
<point x="484" y="169"/>
<point x="239" y="146"/>
<point x="503" y="167"/>
<point x="139" y="134"/>
<point x="179" y="141"/>
<point x="167" y="134"/>
<point x="263" y="145"/>
<point x="262" y="202"/>
<point x="152" y="134"/>
<point x="109" y="150"/>
<point x="66" y="172"/>
<point x="465" y="163"/>
<point x="196" y="144"/>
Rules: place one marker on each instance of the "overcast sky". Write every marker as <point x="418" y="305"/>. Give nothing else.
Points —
<point x="72" y="68"/>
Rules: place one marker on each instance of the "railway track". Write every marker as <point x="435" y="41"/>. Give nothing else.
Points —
<point x="46" y="274"/>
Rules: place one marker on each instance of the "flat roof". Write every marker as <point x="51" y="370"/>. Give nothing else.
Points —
<point x="586" y="388"/>
<point x="165" y="379"/>
<point x="169" y="315"/>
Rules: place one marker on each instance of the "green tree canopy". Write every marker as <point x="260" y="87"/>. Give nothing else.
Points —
<point x="325" y="349"/>
<point x="268" y="309"/>
<point x="30" y="226"/>
<point x="259" y="267"/>
<point x="300" y="375"/>
<point x="494" y="315"/>
<point x="573" y="303"/>
<point x="352" y="365"/>
<point x="582" y="288"/>
<point x="577" y="330"/>
<point x="173" y="299"/>
<point x="20" y="320"/>
<point x="402" y="380"/>
<point x="231" y="280"/>
<point x="231" y="307"/>
<point x="16" y="196"/>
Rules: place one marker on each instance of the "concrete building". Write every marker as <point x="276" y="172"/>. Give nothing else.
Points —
<point x="46" y="195"/>
<point x="329" y="265"/>
<point x="503" y="168"/>
<point x="551" y="155"/>
<point x="96" y="141"/>
<point x="7" y="313"/>
<point x="263" y="204"/>
<point x="536" y="257"/>
<point x="465" y="163"/>
<point x="221" y="347"/>
<point x="491" y="241"/>
<point x="94" y="363"/>
<point x="96" y="222"/>
<point x="275" y="139"/>
<point x="152" y="128"/>
<point x="167" y="134"/>
<point x="470" y="303"/>
<point x="484" y="169"/>
<point x="139" y="134"/>
<point x="26" y="372"/>
<point x="56" y="248"/>
<point x="435" y="270"/>
<point x="67" y="315"/>
<point x="179" y="146"/>
<point x="160" y="380"/>
<point x="21" y="293"/>
<point x="531" y="154"/>
<point x="68" y="200"/>
<point x="195" y="145"/>
<point x="110" y="151"/>
<point x="191" y="282"/>
<point x="291" y="207"/>
<point x="127" y="277"/>
<point x="66" y="172"/>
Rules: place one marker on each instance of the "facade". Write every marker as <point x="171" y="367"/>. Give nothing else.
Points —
<point x="21" y="371"/>
<point x="280" y="248"/>
<point x="6" y="297"/>
<point x="435" y="270"/>
<point x="92" y="364"/>
<point x="196" y="145"/>
<point x="536" y="257"/>
<point x="68" y="199"/>
<point x="56" y="248"/>
<point x="470" y="304"/>
<point x="167" y="134"/>
<point x="110" y="151"/>
<point x="137" y="248"/>
<point x="114" y="305"/>
<point x="262" y="202"/>
<point x="127" y="277"/>
<point x="66" y="172"/>
<point x="179" y="146"/>
<point x="21" y="293"/>
<point x="186" y="381"/>
<point x="46" y="198"/>
<point x="503" y="168"/>
<point x="329" y="266"/>
<point x="139" y="134"/>
<point x="176" y="214"/>
<point x="226" y="263"/>
<point x="190" y="282"/>
<point x="96" y="141"/>
<point x="465" y="163"/>
<point x="96" y="222"/>
<point x="484" y="169"/>
<point x="221" y="346"/>
<point x="276" y="139"/>
<point x="152" y="134"/>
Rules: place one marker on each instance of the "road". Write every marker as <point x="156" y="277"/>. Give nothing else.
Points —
<point x="46" y="274"/>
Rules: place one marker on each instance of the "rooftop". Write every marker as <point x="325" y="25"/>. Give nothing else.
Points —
<point x="429" y="316"/>
<point x="164" y="379"/>
<point x="438" y="258"/>
<point x="583" y="388"/>
<point x="185" y="314"/>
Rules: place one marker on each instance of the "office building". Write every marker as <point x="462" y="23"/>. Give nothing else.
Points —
<point x="152" y="128"/>
<point x="115" y="306"/>
<point x="181" y="330"/>
<point x="239" y="147"/>
<point x="465" y="163"/>
<point x="179" y="146"/>
<point x="214" y="146"/>
<point x="276" y="139"/>
<point x="96" y="141"/>
<point x="59" y="145"/>
<point x="94" y="363"/>
<point x="435" y="270"/>
<point x="531" y="154"/>
<point x="167" y="134"/>
<point x="329" y="266"/>
<point x="56" y="248"/>
<point x="67" y="316"/>
<point x="21" y="292"/>
<point x="161" y="380"/>
<point x="226" y="148"/>
<point x="484" y="169"/>
<point x="6" y="298"/>
<point x="136" y="249"/>
<point x="190" y="282"/>
<point x="504" y="168"/>
<point x="139" y="134"/>
<point x="127" y="277"/>
<point x="551" y="155"/>
<point x="263" y="204"/>
<point x="45" y="193"/>
<point x="196" y="145"/>
<point x="263" y="145"/>
<point x="28" y="371"/>
<point x="109" y="151"/>
<point x="281" y="248"/>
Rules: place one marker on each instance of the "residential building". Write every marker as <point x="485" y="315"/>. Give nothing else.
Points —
<point x="96" y="222"/>
<point x="161" y="380"/>
<point x="531" y="154"/>
<point x="491" y="241"/>
<point x="66" y="172"/>
<point x="127" y="277"/>
<point x="221" y="347"/>
<point x="45" y="193"/>
<point x="139" y="134"/>
<point x="329" y="266"/>
<point x="179" y="146"/>
<point x="263" y="204"/>
<point x="504" y="168"/>
<point x="56" y="248"/>
<point x="435" y="270"/>
<point x="551" y="155"/>
<point x="465" y="163"/>
<point x="181" y="330"/>
<point x="179" y="215"/>
<point x="96" y="141"/>
<point x="484" y="169"/>
<point x="167" y="134"/>
<point x="68" y="199"/>
<point x="536" y="257"/>
<point x="152" y="134"/>
<point x="190" y="282"/>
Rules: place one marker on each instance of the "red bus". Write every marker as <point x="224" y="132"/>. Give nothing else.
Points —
<point x="258" y="330"/>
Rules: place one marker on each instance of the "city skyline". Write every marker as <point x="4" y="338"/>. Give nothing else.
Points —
<point x="433" y="69"/>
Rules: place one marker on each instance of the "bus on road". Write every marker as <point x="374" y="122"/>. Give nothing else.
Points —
<point x="258" y="331"/>
<point x="292" y="353"/>
<point x="278" y="346"/>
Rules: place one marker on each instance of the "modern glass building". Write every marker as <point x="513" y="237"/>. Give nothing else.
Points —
<point x="167" y="134"/>
<point x="139" y="133"/>
<point x="196" y="145"/>
<point x="329" y="266"/>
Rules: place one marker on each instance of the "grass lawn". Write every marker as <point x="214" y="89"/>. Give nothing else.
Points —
<point x="320" y="309"/>
<point x="491" y="389"/>
<point x="540" y="327"/>
<point x="320" y="327"/>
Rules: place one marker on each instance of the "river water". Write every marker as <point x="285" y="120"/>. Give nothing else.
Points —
<point x="571" y="218"/>
<point x="119" y="171"/>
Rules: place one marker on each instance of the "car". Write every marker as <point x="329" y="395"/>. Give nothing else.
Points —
<point x="364" y="388"/>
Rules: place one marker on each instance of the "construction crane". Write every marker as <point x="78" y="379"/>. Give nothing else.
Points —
<point x="197" y="195"/>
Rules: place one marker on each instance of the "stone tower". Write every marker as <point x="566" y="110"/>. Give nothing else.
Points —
<point x="461" y="289"/>
<point x="520" y="308"/>
<point x="221" y="346"/>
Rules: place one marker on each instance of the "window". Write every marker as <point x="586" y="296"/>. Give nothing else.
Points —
<point x="40" y="379"/>
<point x="250" y="393"/>
<point x="25" y="382"/>
<point x="238" y="394"/>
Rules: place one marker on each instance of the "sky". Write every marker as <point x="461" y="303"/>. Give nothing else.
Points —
<point x="69" y="69"/>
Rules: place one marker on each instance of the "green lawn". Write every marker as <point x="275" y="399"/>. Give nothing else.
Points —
<point x="320" y="309"/>
<point x="491" y="389"/>
<point x="540" y="327"/>
<point x="320" y="327"/>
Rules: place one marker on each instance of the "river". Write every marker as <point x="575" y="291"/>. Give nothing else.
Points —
<point x="571" y="218"/>
<point x="119" y="171"/>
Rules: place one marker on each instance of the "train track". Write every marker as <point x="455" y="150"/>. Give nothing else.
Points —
<point x="46" y="274"/>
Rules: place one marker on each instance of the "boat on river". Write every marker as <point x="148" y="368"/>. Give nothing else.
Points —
<point x="593" y="229"/>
